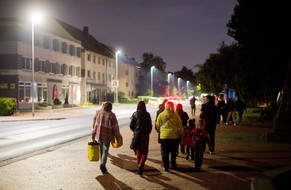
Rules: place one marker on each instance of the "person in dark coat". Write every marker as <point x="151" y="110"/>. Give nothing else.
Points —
<point x="240" y="108"/>
<point x="208" y="114"/>
<point x="184" y="118"/>
<point x="141" y="125"/>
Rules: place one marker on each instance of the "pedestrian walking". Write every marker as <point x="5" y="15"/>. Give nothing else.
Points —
<point x="169" y="125"/>
<point x="209" y="116"/>
<point x="231" y="115"/>
<point x="200" y="140"/>
<point x="95" y="116"/>
<point x="240" y="108"/>
<point x="187" y="139"/>
<point x="161" y="108"/>
<point x="141" y="125"/>
<point x="222" y="112"/>
<point x="193" y="105"/>
<point x="184" y="118"/>
<point x="106" y="128"/>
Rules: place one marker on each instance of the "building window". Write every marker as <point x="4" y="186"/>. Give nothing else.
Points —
<point x="70" y="70"/>
<point x="56" y="45"/>
<point x="94" y="75"/>
<point x="42" y="92"/>
<point x="99" y="60"/>
<point x="64" y="47"/>
<point x="26" y="63"/>
<point x="99" y="76"/>
<point x="41" y="66"/>
<point x="50" y="67"/>
<point x="68" y="50"/>
<point x="89" y="74"/>
<point x="94" y="58"/>
<point x="89" y="57"/>
<point x="72" y="50"/>
<point x="62" y="69"/>
<point x="78" y="71"/>
<point x="25" y="92"/>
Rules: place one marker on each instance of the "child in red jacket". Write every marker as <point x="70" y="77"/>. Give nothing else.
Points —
<point x="187" y="139"/>
<point x="200" y="138"/>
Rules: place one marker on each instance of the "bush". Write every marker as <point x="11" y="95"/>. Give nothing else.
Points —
<point x="7" y="106"/>
<point x="44" y="104"/>
<point x="57" y="102"/>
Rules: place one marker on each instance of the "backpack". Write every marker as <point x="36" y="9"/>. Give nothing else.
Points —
<point x="199" y="137"/>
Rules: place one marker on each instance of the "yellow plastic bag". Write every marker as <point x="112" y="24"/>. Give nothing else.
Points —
<point x="93" y="151"/>
<point x="117" y="142"/>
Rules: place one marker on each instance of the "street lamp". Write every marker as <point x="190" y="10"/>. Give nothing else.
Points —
<point x="116" y="77"/>
<point x="179" y="86"/>
<point x="169" y="77"/>
<point x="187" y="86"/>
<point x="34" y="17"/>
<point x="152" y="77"/>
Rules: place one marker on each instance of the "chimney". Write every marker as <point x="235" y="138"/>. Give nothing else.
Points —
<point x="86" y="31"/>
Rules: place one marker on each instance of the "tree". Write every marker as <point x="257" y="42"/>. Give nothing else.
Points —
<point x="159" y="82"/>
<point x="262" y="30"/>
<point x="186" y="75"/>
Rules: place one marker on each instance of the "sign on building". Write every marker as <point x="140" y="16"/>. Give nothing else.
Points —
<point x="115" y="83"/>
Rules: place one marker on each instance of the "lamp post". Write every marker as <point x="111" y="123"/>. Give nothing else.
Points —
<point x="187" y="86"/>
<point x="34" y="17"/>
<point x="152" y="77"/>
<point x="169" y="77"/>
<point x="179" y="86"/>
<point x="116" y="77"/>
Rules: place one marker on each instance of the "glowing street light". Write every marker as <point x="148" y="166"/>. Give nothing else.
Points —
<point x="34" y="18"/>
<point x="179" y="86"/>
<point x="116" y="77"/>
<point x="187" y="86"/>
<point x="152" y="77"/>
<point x="169" y="80"/>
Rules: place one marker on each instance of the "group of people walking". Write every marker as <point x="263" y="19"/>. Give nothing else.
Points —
<point x="177" y="132"/>
<point x="230" y="112"/>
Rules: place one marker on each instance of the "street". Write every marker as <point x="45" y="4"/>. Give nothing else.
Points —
<point x="20" y="138"/>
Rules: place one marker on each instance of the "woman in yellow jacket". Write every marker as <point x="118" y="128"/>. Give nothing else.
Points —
<point x="170" y="127"/>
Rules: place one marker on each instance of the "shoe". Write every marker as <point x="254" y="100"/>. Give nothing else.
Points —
<point x="192" y="158"/>
<point x="166" y="169"/>
<point x="104" y="170"/>
<point x="211" y="152"/>
<point x="174" y="167"/>
<point x="187" y="157"/>
<point x="198" y="169"/>
<point x="140" y="170"/>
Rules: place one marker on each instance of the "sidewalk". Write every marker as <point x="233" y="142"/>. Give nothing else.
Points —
<point x="242" y="160"/>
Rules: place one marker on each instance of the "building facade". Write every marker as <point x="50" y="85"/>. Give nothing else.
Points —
<point x="68" y="63"/>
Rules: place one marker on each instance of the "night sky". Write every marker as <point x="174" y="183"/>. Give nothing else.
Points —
<point x="182" y="32"/>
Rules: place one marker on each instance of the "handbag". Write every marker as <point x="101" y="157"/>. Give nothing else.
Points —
<point x="134" y="143"/>
<point x="117" y="141"/>
<point x="93" y="151"/>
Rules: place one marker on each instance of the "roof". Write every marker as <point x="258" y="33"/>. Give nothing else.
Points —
<point x="128" y="60"/>
<point x="87" y="40"/>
